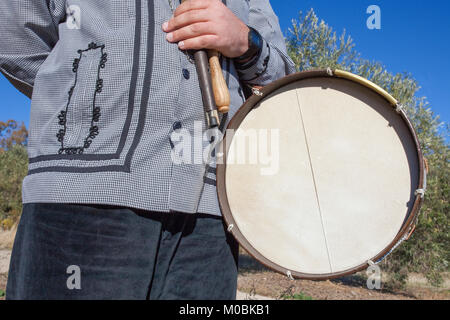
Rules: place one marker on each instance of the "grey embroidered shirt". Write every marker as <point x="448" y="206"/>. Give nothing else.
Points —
<point x="108" y="92"/>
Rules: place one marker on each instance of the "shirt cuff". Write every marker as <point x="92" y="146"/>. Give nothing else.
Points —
<point x="255" y="69"/>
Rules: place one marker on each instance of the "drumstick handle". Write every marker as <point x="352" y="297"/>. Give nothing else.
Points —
<point x="204" y="78"/>
<point x="220" y="88"/>
<point x="205" y="82"/>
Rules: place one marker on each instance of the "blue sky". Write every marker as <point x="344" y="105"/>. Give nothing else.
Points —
<point x="414" y="37"/>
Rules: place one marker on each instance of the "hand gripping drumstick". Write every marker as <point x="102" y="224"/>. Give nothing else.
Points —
<point x="218" y="95"/>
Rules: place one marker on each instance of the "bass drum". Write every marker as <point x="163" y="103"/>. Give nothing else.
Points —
<point x="320" y="174"/>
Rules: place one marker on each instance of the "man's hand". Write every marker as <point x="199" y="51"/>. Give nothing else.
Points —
<point x="207" y="24"/>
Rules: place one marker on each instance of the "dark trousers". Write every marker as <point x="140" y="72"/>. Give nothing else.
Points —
<point x="98" y="252"/>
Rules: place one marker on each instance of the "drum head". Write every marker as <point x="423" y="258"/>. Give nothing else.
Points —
<point x="319" y="176"/>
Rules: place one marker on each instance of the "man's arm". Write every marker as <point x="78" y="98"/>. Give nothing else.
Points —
<point x="273" y="61"/>
<point x="29" y="30"/>
<point x="208" y="24"/>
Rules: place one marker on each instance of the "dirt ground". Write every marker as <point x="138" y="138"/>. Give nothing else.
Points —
<point x="255" y="280"/>
<point x="280" y="287"/>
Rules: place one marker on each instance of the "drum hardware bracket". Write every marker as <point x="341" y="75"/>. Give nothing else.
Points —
<point x="289" y="275"/>
<point x="399" y="108"/>
<point x="256" y="92"/>
<point x="420" y="192"/>
<point x="230" y="227"/>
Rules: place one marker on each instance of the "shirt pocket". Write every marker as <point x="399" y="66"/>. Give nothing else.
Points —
<point x="79" y="120"/>
<point x="85" y="108"/>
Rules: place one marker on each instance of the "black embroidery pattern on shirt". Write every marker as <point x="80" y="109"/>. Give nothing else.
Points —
<point x="62" y="117"/>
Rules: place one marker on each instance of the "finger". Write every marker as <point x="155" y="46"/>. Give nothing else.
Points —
<point x="191" y="31"/>
<point x="185" y="19"/>
<point x="208" y="41"/>
<point x="191" y="5"/>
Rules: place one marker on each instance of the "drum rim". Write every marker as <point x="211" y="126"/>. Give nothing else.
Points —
<point x="235" y="122"/>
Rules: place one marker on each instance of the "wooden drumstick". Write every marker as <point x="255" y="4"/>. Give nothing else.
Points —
<point x="206" y="87"/>
<point x="220" y="88"/>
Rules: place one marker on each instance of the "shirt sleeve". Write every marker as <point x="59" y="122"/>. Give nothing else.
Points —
<point x="274" y="62"/>
<point x="30" y="31"/>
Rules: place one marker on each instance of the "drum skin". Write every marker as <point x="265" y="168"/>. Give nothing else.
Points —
<point x="339" y="189"/>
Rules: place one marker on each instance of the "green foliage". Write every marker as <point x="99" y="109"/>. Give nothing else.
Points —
<point x="290" y="294"/>
<point x="2" y="293"/>
<point x="297" y="296"/>
<point x="12" y="134"/>
<point x="13" y="168"/>
<point x="313" y="44"/>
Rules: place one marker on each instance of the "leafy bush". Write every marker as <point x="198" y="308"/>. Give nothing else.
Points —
<point x="13" y="168"/>
<point x="313" y="44"/>
<point x="297" y="296"/>
<point x="12" y="134"/>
